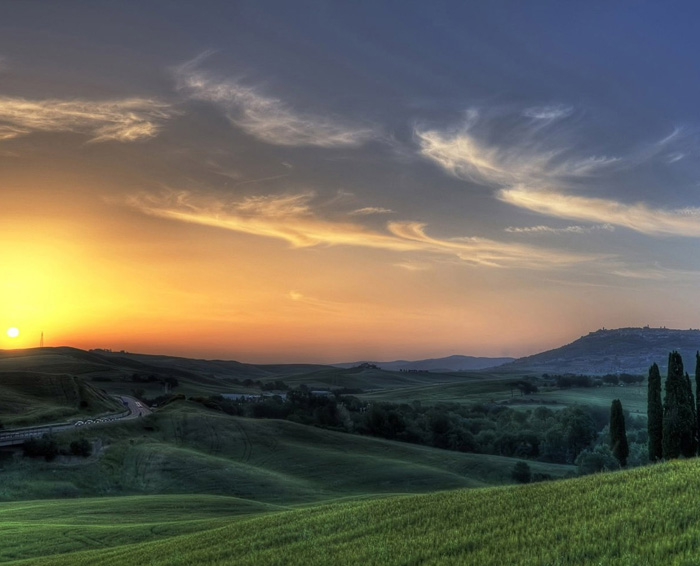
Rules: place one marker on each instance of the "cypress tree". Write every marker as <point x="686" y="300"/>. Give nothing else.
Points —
<point x="655" y="414"/>
<point x="689" y="445"/>
<point x="697" y="391"/>
<point x="679" y="425"/>
<point x="618" y="433"/>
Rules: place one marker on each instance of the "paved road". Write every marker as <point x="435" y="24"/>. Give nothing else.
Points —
<point x="133" y="409"/>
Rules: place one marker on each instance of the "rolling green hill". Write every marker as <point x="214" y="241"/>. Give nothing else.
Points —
<point x="28" y="397"/>
<point x="122" y="373"/>
<point x="644" y="516"/>
<point x="184" y="448"/>
<point x="481" y="387"/>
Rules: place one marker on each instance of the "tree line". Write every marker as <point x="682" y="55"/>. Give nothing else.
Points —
<point x="673" y="425"/>
<point x="570" y="435"/>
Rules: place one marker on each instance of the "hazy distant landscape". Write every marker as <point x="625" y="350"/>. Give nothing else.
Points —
<point x="228" y="441"/>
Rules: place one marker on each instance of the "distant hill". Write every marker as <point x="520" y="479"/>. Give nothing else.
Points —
<point x="450" y="363"/>
<point x="48" y="388"/>
<point x="630" y="350"/>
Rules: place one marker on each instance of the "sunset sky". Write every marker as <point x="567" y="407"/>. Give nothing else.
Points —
<point x="336" y="181"/>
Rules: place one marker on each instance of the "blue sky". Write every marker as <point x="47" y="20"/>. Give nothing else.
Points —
<point x="485" y="178"/>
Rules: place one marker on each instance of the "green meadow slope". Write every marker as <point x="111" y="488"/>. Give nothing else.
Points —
<point x="185" y="448"/>
<point x="497" y="387"/>
<point x="643" y="516"/>
<point x="28" y="397"/>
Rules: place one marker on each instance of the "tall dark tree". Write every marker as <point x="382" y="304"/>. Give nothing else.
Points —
<point x="697" y="391"/>
<point x="679" y="423"/>
<point x="690" y="442"/>
<point x="618" y="433"/>
<point x="655" y="414"/>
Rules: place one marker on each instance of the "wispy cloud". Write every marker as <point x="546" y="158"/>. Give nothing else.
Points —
<point x="525" y="158"/>
<point x="292" y="219"/>
<point x="529" y="170"/>
<point x="551" y="112"/>
<point x="673" y="157"/>
<point x="268" y="118"/>
<point x="414" y="265"/>
<point x="566" y="230"/>
<point x="372" y="210"/>
<point x="124" y="120"/>
<point x="638" y="216"/>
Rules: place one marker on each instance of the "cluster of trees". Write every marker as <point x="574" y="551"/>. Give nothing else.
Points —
<point x="152" y="378"/>
<point x="560" y="436"/>
<point x="673" y="425"/>
<point x="47" y="447"/>
<point x="569" y="380"/>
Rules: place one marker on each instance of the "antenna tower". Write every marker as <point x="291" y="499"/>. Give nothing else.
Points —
<point x="41" y="342"/>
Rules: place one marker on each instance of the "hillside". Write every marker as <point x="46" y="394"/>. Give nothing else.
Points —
<point x="184" y="448"/>
<point x="28" y="397"/>
<point x="643" y="516"/>
<point x="630" y="350"/>
<point x="123" y="372"/>
<point x="449" y="363"/>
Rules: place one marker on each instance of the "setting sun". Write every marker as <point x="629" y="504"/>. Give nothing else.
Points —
<point x="13" y="332"/>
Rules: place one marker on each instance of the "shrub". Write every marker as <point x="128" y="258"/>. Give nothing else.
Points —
<point x="521" y="473"/>
<point x="81" y="447"/>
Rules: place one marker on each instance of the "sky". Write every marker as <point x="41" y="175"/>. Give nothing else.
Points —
<point x="337" y="181"/>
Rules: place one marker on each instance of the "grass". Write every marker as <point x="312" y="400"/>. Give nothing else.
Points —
<point x="30" y="397"/>
<point x="470" y="388"/>
<point x="70" y="526"/>
<point x="185" y="448"/>
<point x="644" y="516"/>
<point x="488" y="388"/>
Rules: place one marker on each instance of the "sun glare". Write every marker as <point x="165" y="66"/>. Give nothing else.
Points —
<point x="13" y="332"/>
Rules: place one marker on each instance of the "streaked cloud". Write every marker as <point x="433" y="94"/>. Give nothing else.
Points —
<point x="639" y="216"/>
<point x="531" y="171"/>
<point x="673" y="157"/>
<point x="566" y="230"/>
<point x="527" y="158"/>
<point x="372" y="210"/>
<point x="292" y="219"/>
<point x="268" y="118"/>
<point x="551" y="112"/>
<point x="125" y="120"/>
<point x="414" y="265"/>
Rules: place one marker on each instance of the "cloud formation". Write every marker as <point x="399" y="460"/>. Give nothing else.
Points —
<point x="267" y="118"/>
<point x="524" y="159"/>
<point x="372" y="210"/>
<point x="638" y="216"/>
<point x="531" y="171"/>
<point x="125" y="120"/>
<point x="292" y="219"/>
<point x="551" y="112"/>
<point x="566" y="230"/>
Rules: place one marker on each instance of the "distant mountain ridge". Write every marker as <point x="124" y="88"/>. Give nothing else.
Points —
<point x="628" y="350"/>
<point x="449" y="363"/>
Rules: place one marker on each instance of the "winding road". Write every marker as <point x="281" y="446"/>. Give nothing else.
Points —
<point x="133" y="409"/>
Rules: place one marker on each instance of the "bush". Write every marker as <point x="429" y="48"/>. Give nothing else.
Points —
<point x="599" y="459"/>
<point x="45" y="446"/>
<point x="521" y="473"/>
<point x="81" y="447"/>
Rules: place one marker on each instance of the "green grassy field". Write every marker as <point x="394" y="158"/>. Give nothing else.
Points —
<point x="70" y="525"/>
<point x="644" y="516"/>
<point x="185" y="448"/>
<point x="496" y="387"/>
